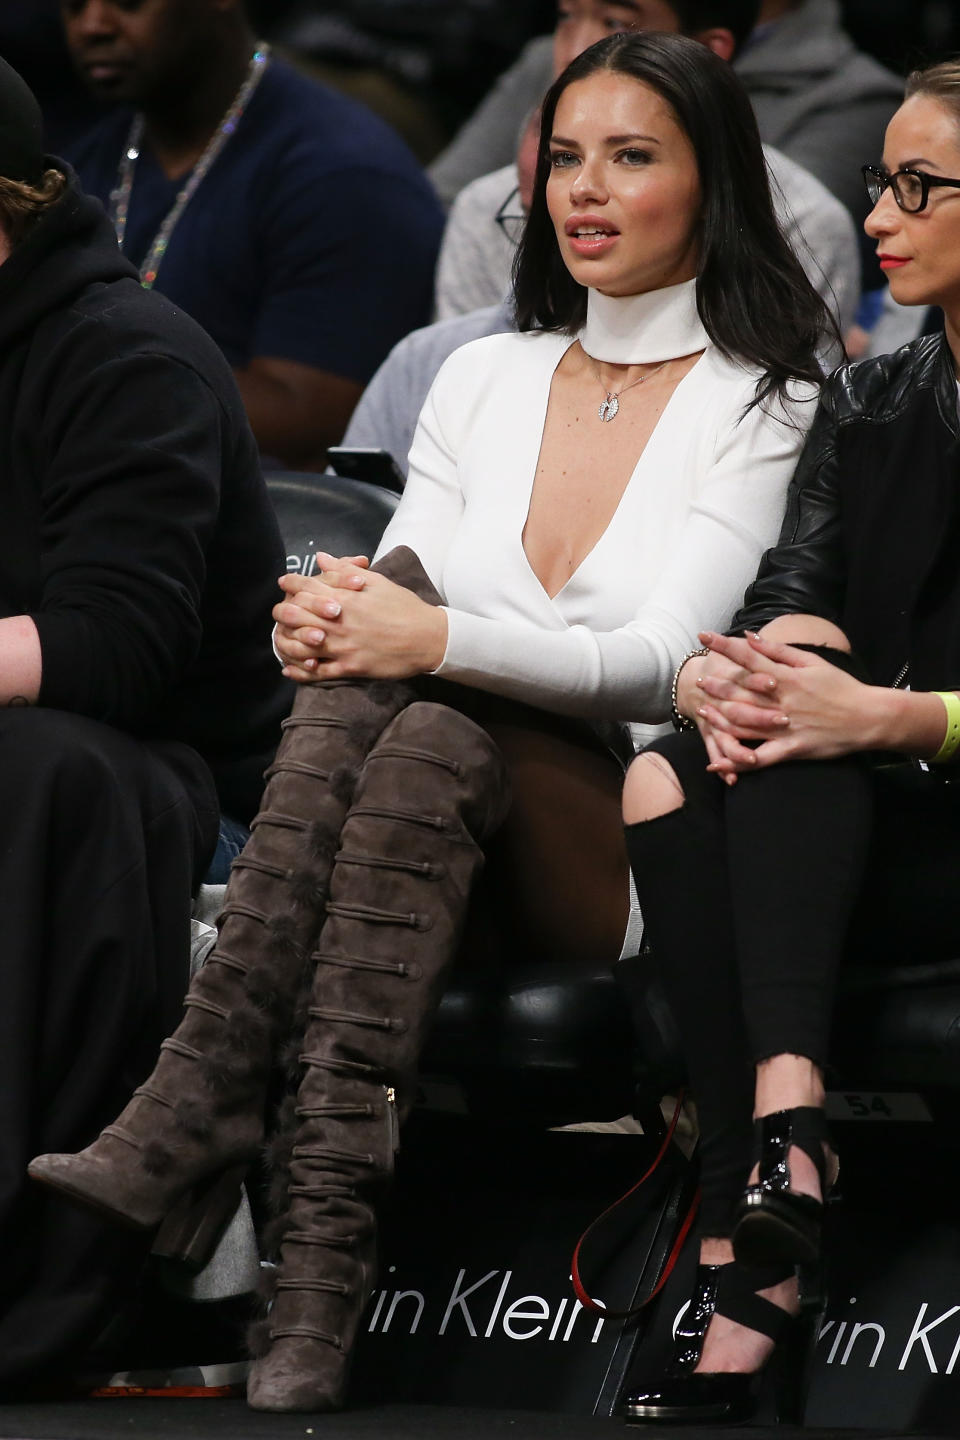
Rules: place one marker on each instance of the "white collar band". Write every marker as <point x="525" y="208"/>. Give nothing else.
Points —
<point x="641" y="329"/>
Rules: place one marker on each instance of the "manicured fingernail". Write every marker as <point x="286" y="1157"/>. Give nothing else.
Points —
<point x="331" y="609"/>
<point x="783" y="719"/>
<point x="316" y="637"/>
<point x="309" y="664"/>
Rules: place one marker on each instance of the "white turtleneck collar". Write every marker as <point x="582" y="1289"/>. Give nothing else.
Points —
<point x="641" y="329"/>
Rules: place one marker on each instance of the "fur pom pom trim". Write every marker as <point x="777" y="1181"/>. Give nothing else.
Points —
<point x="278" y="1197"/>
<point x="278" y="1148"/>
<point x="308" y="889"/>
<point x="285" y="938"/>
<point x="194" y="1120"/>
<point x="258" y="1338"/>
<point x="248" y="1031"/>
<point x="157" y="1158"/>
<point x="229" y="1072"/>
<point x="322" y="841"/>
<point x="383" y="692"/>
<point x="264" y="990"/>
<point x="343" y="781"/>
<point x="273" y="1233"/>
<point x="289" y="1058"/>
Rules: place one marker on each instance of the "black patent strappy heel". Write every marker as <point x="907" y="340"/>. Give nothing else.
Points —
<point x="774" y="1224"/>
<point x="688" y="1396"/>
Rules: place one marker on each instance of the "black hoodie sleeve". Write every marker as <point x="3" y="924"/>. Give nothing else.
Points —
<point x="130" y="495"/>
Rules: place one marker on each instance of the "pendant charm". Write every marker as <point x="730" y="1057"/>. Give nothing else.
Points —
<point x="609" y="408"/>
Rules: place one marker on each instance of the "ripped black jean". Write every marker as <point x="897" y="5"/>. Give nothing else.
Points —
<point x="752" y="895"/>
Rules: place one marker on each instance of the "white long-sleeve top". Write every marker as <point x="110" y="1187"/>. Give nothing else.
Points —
<point x="705" y="500"/>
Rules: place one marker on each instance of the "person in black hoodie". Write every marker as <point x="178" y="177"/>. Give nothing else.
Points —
<point x="138" y="698"/>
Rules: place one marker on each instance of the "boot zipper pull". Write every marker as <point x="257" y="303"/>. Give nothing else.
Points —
<point x="392" y="1118"/>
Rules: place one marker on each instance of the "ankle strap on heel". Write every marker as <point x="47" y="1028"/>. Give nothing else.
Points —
<point x="737" y="1298"/>
<point x="805" y="1127"/>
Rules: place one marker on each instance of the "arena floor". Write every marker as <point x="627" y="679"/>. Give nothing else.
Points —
<point x="212" y="1419"/>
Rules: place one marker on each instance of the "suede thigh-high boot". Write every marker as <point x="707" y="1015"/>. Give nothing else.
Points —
<point x="179" y="1148"/>
<point x="431" y="790"/>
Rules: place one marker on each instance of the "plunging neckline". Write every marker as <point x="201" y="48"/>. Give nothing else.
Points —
<point x="544" y="410"/>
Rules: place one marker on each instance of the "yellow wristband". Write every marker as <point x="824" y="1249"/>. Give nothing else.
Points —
<point x="951" y="741"/>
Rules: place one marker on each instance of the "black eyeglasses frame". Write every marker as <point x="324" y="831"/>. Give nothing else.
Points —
<point x="882" y="178"/>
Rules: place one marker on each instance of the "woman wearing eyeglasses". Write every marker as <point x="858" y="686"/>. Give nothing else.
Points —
<point x="808" y="804"/>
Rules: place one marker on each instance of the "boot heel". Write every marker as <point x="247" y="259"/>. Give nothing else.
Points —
<point x="191" y="1230"/>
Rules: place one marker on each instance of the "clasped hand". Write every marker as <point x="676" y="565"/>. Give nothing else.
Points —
<point x="350" y="622"/>
<point x="790" y="704"/>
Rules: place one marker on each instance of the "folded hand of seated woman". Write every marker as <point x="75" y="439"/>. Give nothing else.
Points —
<point x="717" y="676"/>
<point x="349" y="623"/>
<point x="813" y="710"/>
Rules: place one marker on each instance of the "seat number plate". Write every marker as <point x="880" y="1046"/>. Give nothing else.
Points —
<point x="883" y="1105"/>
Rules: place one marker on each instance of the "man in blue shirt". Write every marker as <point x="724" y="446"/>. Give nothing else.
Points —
<point x="289" y="221"/>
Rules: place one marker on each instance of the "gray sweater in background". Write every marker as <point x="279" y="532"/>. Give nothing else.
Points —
<point x="389" y="408"/>
<point x="819" y="99"/>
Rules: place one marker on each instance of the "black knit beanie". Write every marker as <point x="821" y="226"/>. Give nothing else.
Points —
<point x="21" y="129"/>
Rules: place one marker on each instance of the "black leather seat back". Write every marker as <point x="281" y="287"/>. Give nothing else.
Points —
<point x="327" y="512"/>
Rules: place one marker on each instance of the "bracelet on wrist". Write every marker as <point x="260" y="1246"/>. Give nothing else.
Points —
<point x="683" y="722"/>
<point x="951" y="740"/>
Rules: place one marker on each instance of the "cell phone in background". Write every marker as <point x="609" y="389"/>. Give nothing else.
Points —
<point x="377" y="467"/>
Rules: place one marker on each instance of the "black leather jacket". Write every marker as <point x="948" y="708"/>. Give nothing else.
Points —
<point x="871" y="537"/>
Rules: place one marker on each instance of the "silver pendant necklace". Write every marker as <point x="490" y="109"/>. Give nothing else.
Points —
<point x="119" y="207"/>
<point x="610" y="405"/>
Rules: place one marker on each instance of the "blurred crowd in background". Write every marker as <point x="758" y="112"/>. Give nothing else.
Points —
<point x="424" y="64"/>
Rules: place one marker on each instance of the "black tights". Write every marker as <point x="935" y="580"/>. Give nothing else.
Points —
<point x="747" y="893"/>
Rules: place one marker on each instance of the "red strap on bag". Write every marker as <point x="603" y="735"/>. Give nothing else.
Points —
<point x="596" y="1306"/>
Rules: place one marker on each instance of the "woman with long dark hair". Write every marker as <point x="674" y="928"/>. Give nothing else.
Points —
<point x="806" y="807"/>
<point x="583" y="498"/>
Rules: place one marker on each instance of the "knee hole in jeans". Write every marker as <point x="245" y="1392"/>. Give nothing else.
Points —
<point x="651" y="789"/>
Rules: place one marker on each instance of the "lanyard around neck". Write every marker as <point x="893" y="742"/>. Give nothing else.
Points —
<point x="120" y="195"/>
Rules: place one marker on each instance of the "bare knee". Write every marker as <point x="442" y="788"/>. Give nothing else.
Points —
<point x="806" y="630"/>
<point x="651" y="789"/>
